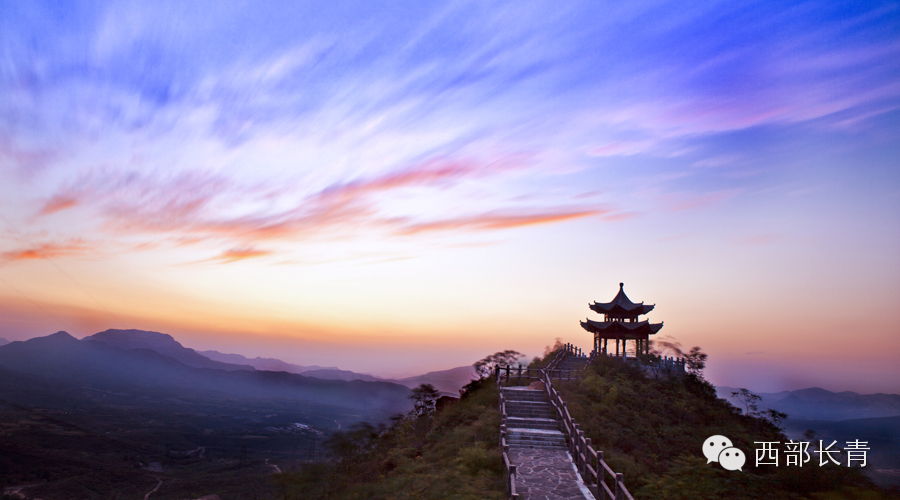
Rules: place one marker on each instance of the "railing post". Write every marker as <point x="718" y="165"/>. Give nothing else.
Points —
<point x="573" y="441"/>
<point x="588" y="455"/>
<point x="620" y="482"/>
<point x="582" y="454"/>
<point x="601" y="476"/>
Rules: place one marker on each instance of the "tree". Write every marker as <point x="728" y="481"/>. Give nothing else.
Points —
<point x="424" y="398"/>
<point x="557" y="345"/>
<point x="485" y="367"/>
<point x="696" y="361"/>
<point x="748" y="399"/>
<point x="776" y="417"/>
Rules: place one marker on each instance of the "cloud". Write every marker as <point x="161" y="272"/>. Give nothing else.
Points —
<point x="237" y="254"/>
<point x="46" y="251"/>
<point x="498" y="220"/>
<point x="26" y="161"/>
<point x="196" y="206"/>
<point x="58" y="203"/>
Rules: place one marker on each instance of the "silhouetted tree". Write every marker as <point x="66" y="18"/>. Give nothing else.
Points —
<point x="776" y="417"/>
<point x="696" y="361"/>
<point x="485" y="367"/>
<point x="748" y="399"/>
<point x="424" y="398"/>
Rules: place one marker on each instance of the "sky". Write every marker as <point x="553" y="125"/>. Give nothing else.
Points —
<point x="400" y="187"/>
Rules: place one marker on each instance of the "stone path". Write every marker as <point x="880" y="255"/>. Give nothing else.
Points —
<point x="546" y="474"/>
<point x="544" y="469"/>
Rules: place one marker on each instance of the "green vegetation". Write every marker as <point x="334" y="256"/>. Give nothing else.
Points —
<point x="451" y="453"/>
<point x="652" y="429"/>
<point x="103" y="452"/>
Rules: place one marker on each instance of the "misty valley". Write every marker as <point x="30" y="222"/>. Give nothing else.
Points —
<point x="108" y="417"/>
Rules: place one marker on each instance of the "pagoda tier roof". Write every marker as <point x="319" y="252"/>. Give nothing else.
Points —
<point x="621" y="306"/>
<point x="621" y="329"/>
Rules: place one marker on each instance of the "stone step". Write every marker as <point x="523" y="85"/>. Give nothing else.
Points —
<point x="522" y="411"/>
<point x="514" y="440"/>
<point x="532" y="423"/>
<point x="523" y="395"/>
<point x="531" y="414"/>
<point x="527" y="403"/>
<point x="539" y="446"/>
<point x="535" y="438"/>
<point x="533" y="400"/>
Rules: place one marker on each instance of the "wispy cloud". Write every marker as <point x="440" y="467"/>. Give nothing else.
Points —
<point x="238" y="254"/>
<point x="46" y="251"/>
<point x="198" y="206"/>
<point x="495" y="221"/>
<point x="57" y="203"/>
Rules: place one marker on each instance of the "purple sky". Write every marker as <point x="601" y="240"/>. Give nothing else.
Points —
<point x="398" y="187"/>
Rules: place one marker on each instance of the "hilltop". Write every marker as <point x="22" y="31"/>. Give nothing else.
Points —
<point x="653" y="431"/>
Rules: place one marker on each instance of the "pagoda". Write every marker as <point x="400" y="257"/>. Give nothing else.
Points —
<point x="620" y="322"/>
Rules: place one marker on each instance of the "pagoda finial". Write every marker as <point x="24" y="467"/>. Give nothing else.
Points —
<point x="621" y="286"/>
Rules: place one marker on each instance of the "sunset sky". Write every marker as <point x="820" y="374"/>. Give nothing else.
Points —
<point x="400" y="187"/>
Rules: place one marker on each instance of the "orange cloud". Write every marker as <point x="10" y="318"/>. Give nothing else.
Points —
<point x="191" y="207"/>
<point x="429" y="173"/>
<point x="58" y="203"/>
<point x="499" y="221"/>
<point x="237" y="254"/>
<point x="45" y="251"/>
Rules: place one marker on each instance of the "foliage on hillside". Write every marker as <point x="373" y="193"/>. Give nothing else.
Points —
<point x="451" y="453"/>
<point x="653" y="430"/>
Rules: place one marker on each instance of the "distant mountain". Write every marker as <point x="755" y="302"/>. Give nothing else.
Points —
<point x="816" y="403"/>
<point x="3" y="341"/>
<point x="447" y="381"/>
<point x="269" y="364"/>
<point x="162" y="343"/>
<point x="881" y="434"/>
<point x="63" y="358"/>
<point x="335" y="374"/>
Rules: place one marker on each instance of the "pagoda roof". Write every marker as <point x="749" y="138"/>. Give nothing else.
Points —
<point x="621" y="328"/>
<point x="621" y="305"/>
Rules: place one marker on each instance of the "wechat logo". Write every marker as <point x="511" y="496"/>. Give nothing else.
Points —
<point x="720" y="449"/>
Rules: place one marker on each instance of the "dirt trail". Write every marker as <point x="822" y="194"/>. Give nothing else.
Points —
<point x="147" y="496"/>
<point x="17" y="490"/>
<point x="277" y="468"/>
<point x="201" y="449"/>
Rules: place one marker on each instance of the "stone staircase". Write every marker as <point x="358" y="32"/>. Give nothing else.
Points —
<point x="530" y="421"/>
<point x="573" y="363"/>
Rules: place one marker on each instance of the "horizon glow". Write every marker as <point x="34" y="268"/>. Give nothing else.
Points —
<point x="397" y="188"/>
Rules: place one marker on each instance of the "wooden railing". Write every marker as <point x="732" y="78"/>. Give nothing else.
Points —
<point x="564" y="352"/>
<point x="509" y="474"/>
<point x="590" y="463"/>
<point x="508" y="376"/>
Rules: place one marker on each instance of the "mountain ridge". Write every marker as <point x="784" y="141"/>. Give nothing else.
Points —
<point x="162" y="343"/>
<point x="62" y="357"/>
<point x="816" y="403"/>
